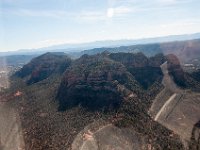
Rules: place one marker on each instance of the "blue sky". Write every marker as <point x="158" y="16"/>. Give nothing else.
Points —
<point x="40" y="23"/>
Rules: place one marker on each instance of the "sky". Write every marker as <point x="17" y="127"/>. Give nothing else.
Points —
<point x="26" y="24"/>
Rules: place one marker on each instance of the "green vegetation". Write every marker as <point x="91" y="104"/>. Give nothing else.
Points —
<point x="43" y="66"/>
<point x="93" y="82"/>
<point x="117" y="88"/>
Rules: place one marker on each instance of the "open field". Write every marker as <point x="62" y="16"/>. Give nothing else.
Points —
<point x="104" y="135"/>
<point x="176" y="109"/>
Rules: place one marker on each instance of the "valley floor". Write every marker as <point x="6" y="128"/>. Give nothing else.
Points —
<point x="176" y="109"/>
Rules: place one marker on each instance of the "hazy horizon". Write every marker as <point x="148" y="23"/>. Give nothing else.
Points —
<point x="36" y="23"/>
<point x="42" y="48"/>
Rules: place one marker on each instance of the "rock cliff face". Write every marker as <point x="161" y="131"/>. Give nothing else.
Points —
<point x="43" y="66"/>
<point x="130" y="59"/>
<point x="104" y="80"/>
<point x="181" y="78"/>
<point x="195" y="138"/>
<point x="100" y="81"/>
<point x="145" y="70"/>
<point x="175" y="70"/>
<point x="95" y="82"/>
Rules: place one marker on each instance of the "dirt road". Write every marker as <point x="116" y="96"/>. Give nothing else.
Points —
<point x="164" y="106"/>
<point x="176" y="109"/>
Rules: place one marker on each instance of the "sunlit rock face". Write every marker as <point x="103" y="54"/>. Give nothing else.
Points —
<point x="43" y="66"/>
<point x="95" y="82"/>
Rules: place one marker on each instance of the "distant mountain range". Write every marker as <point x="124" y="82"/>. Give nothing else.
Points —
<point x="69" y="48"/>
<point x="186" y="51"/>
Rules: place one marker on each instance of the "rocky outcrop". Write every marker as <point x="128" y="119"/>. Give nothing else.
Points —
<point x="130" y="59"/>
<point x="95" y="82"/>
<point x="195" y="139"/>
<point x="175" y="70"/>
<point x="145" y="70"/>
<point x="43" y="66"/>
<point x="104" y="80"/>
